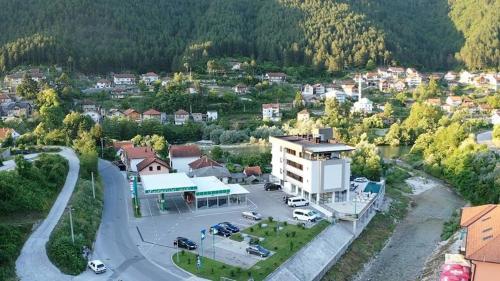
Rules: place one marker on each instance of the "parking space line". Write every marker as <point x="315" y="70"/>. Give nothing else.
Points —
<point x="175" y="204"/>
<point x="204" y="215"/>
<point x="256" y="207"/>
<point x="149" y="207"/>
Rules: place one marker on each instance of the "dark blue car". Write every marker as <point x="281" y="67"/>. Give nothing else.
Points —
<point x="229" y="226"/>
<point x="220" y="230"/>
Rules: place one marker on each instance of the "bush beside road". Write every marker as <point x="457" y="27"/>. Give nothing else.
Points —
<point x="86" y="213"/>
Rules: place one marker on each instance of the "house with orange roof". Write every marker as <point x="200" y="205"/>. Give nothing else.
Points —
<point x="5" y="133"/>
<point x="153" y="166"/>
<point x="482" y="241"/>
<point x="182" y="155"/>
<point x="433" y="102"/>
<point x="132" y="156"/>
<point x="133" y="114"/>
<point x="181" y="117"/>
<point x="151" y="114"/>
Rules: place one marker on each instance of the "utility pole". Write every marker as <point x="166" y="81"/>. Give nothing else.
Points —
<point x="71" y="224"/>
<point x="93" y="186"/>
<point x="102" y="149"/>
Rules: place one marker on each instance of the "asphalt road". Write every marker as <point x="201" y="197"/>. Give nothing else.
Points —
<point x="114" y="244"/>
<point x="33" y="263"/>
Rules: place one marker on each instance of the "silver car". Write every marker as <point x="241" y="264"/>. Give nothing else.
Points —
<point x="252" y="215"/>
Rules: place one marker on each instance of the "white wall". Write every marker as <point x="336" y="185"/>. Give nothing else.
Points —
<point x="181" y="164"/>
<point x="332" y="176"/>
<point x="133" y="164"/>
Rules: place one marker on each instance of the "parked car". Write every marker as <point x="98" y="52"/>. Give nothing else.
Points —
<point x="97" y="266"/>
<point x="252" y="215"/>
<point x="229" y="226"/>
<point x="362" y="179"/>
<point x="305" y="215"/>
<point x="185" y="243"/>
<point x="258" y="251"/>
<point x="297" y="202"/>
<point x="220" y="230"/>
<point x="271" y="186"/>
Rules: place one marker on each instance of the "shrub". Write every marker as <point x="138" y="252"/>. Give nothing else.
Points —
<point x="251" y="229"/>
<point x="294" y="233"/>
<point x="270" y="219"/>
<point x="266" y="233"/>
<point x="285" y="223"/>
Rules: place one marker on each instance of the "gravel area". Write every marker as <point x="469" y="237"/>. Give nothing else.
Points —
<point x="415" y="238"/>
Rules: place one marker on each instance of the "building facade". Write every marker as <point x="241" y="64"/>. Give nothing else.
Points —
<point x="312" y="166"/>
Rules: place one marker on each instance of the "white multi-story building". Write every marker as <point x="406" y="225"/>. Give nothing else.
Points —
<point x="271" y="112"/>
<point x="149" y="78"/>
<point x="312" y="166"/>
<point x="336" y="94"/>
<point x="364" y="105"/>
<point x="124" y="79"/>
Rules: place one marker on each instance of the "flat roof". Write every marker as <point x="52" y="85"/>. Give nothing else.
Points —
<point x="164" y="183"/>
<point x="314" y="147"/>
<point x="179" y="182"/>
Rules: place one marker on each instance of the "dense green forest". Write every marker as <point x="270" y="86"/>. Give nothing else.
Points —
<point x="325" y="34"/>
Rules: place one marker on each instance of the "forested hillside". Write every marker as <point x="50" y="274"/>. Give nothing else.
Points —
<point x="103" y="35"/>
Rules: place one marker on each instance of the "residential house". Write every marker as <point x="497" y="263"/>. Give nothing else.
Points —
<point x="396" y="72"/>
<point x="466" y="77"/>
<point x="182" y="155"/>
<point x="330" y="86"/>
<point x="364" y="105"/>
<point x="312" y="166"/>
<point x="212" y="115"/>
<point x="103" y="84"/>
<point x="149" y="78"/>
<point x="252" y="173"/>
<point x="308" y="90"/>
<point x="206" y="167"/>
<point x="88" y="105"/>
<point x="413" y="78"/>
<point x="433" y="102"/>
<point x="450" y="76"/>
<point x="349" y="87"/>
<point x="134" y="155"/>
<point x="94" y="115"/>
<point x="6" y="133"/>
<point x="482" y="241"/>
<point x="485" y="108"/>
<point x="384" y="73"/>
<point x="470" y="105"/>
<point x="319" y="89"/>
<point x="151" y="114"/>
<point x="336" y="94"/>
<point x="383" y="85"/>
<point x="192" y="90"/>
<point x="495" y="117"/>
<point x="4" y="98"/>
<point x="115" y="112"/>
<point x="153" y="166"/>
<point x="18" y="109"/>
<point x="275" y="77"/>
<point x="480" y="81"/>
<point x="235" y="66"/>
<point x="398" y="86"/>
<point x="124" y="79"/>
<point x="493" y="81"/>
<point x="13" y="80"/>
<point x="119" y="93"/>
<point x="271" y="112"/>
<point x="181" y="117"/>
<point x="240" y="89"/>
<point x="303" y="115"/>
<point x="451" y="103"/>
<point x="197" y="117"/>
<point x="133" y="114"/>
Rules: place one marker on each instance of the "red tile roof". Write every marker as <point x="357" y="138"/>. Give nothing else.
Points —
<point x="203" y="162"/>
<point x="148" y="161"/>
<point x="122" y="144"/>
<point x="139" y="152"/>
<point x="152" y="112"/>
<point x="130" y="111"/>
<point x="5" y="132"/>
<point x="483" y="233"/>
<point x="252" y="171"/>
<point x="184" y="151"/>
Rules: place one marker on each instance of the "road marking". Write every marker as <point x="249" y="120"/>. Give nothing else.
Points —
<point x="223" y="213"/>
<point x="256" y="207"/>
<point x="172" y="199"/>
<point x="149" y="207"/>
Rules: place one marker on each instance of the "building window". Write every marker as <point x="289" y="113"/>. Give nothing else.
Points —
<point x="294" y="164"/>
<point x="294" y="176"/>
<point x="150" y="168"/>
<point x="290" y="151"/>
<point x="158" y="168"/>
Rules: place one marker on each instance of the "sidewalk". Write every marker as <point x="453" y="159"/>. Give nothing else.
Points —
<point x="314" y="259"/>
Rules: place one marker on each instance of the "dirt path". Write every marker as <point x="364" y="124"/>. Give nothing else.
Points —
<point x="415" y="238"/>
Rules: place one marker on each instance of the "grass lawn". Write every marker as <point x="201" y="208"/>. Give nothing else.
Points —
<point x="373" y="238"/>
<point x="284" y="243"/>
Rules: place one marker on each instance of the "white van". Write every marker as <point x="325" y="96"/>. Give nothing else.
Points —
<point x="297" y="202"/>
<point x="305" y="215"/>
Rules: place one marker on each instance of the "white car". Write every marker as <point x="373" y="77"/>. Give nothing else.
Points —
<point x="363" y="179"/>
<point x="297" y="202"/>
<point x="252" y="215"/>
<point x="97" y="266"/>
<point x="305" y="215"/>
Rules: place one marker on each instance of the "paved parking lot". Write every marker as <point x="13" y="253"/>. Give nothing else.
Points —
<point x="161" y="228"/>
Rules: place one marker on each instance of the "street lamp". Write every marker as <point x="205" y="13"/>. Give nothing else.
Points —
<point x="71" y="223"/>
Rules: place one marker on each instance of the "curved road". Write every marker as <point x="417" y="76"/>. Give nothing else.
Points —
<point x="33" y="263"/>
<point x="114" y="244"/>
